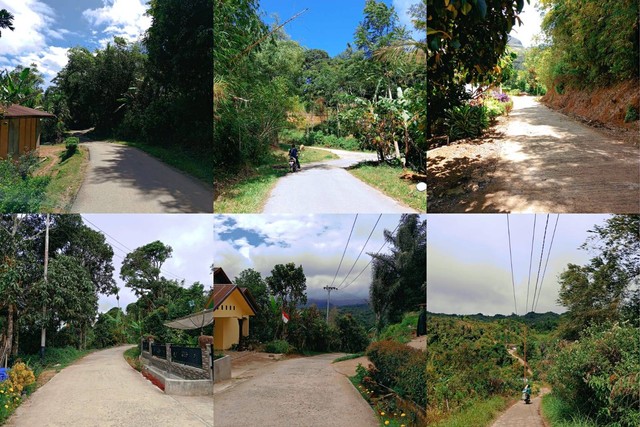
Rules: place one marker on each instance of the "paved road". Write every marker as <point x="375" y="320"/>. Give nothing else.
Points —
<point x="551" y="163"/>
<point x="305" y="392"/>
<point x="103" y="390"/>
<point x="522" y="415"/>
<point x="326" y="187"/>
<point x="125" y="179"/>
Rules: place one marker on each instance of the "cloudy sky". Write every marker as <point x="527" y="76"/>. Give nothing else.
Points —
<point x="46" y="29"/>
<point x="314" y="241"/>
<point x="468" y="268"/>
<point x="190" y="236"/>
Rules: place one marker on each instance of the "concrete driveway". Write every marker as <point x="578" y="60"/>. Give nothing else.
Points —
<point x="126" y="180"/>
<point x="301" y="392"/>
<point x="103" y="390"/>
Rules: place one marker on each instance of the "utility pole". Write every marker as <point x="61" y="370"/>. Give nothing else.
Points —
<point x="329" y="289"/>
<point x="43" y="332"/>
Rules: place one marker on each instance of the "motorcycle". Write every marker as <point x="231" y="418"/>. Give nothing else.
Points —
<point x="293" y="164"/>
<point x="526" y="397"/>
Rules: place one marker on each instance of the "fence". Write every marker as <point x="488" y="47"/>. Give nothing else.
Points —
<point x="191" y="356"/>
<point x="159" y="350"/>
<point x="188" y="362"/>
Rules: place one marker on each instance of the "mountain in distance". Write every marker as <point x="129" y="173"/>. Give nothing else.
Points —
<point x="518" y="48"/>
<point x="539" y="321"/>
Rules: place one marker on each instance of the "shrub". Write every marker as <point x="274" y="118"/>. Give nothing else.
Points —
<point x="466" y="121"/>
<point x="21" y="377"/>
<point x="18" y="193"/>
<point x="631" y="115"/>
<point x="401" y="368"/>
<point x="71" y="144"/>
<point x="353" y="337"/>
<point x="277" y="346"/>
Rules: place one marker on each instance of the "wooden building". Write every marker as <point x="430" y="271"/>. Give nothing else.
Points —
<point x="20" y="130"/>
<point x="232" y="308"/>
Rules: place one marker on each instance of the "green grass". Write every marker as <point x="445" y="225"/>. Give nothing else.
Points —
<point x="560" y="414"/>
<point x="348" y="357"/>
<point x="386" y="178"/>
<point x="66" y="179"/>
<point x="478" y="414"/>
<point x="309" y="155"/>
<point x="403" y="331"/>
<point x="246" y="192"/>
<point x="200" y="167"/>
<point x="132" y="356"/>
<point x="54" y="358"/>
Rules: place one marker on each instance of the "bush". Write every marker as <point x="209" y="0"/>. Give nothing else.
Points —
<point x="599" y="375"/>
<point x="19" y="191"/>
<point x="401" y="368"/>
<point x="277" y="346"/>
<point x="71" y="144"/>
<point x="21" y="376"/>
<point x="631" y="115"/>
<point x="466" y="121"/>
<point x="353" y="337"/>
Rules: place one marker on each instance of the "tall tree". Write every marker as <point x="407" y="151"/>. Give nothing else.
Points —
<point x="289" y="285"/>
<point x="141" y="269"/>
<point x="6" y="20"/>
<point x="262" y="325"/>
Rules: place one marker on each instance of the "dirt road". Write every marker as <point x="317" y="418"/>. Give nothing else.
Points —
<point x="546" y="162"/>
<point x="125" y="179"/>
<point x="103" y="390"/>
<point x="326" y="187"/>
<point x="305" y="392"/>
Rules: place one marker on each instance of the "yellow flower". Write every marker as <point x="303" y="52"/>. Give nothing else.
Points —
<point x="11" y="389"/>
<point x="403" y="414"/>
<point x="386" y="423"/>
<point x="2" y="391"/>
<point x="382" y="413"/>
<point x="6" y="406"/>
<point x="402" y="425"/>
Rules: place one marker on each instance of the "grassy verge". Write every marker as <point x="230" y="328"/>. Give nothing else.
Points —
<point x="385" y="418"/>
<point x="402" y="332"/>
<point x="66" y="178"/>
<point x="348" y="357"/>
<point x="560" y="414"/>
<point x="479" y="413"/>
<point x="132" y="356"/>
<point x="386" y="178"/>
<point x="199" y="167"/>
<point x="55" y="358"/>
<point x="309" y="155"/>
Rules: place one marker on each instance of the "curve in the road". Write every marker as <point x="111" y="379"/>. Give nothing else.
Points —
<point x="305" y="392"/>
<point x="551" y="163"/>
<point x="326" y="187"/>
<point x="125" y="179"/>
<point x="103" y="390"/>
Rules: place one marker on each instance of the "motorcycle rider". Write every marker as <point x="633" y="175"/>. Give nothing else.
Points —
<point x="526" y="393"/>
<point x="293" y="152"/>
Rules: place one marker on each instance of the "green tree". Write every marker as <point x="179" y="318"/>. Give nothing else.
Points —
<point x="263" y="324"/>
<point x="288" y="284"/>
<point x="141" y="269"/>
<point x="6" y="20"/>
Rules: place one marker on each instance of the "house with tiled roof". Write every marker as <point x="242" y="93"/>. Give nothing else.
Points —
<point x="233" y="307"/>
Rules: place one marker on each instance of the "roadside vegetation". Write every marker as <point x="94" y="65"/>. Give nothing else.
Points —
<point x="269" y="89"/>
<point x="588" y="356"/>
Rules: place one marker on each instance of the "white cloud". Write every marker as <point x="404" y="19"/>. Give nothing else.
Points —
<point x="402" y="9"/>
<point x="50" y="60"/>
<point x="122" y="18"/>
<point x="32" y="20"/>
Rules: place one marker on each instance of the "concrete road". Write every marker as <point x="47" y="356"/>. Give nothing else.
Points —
<point x="326" y="187"/>
<point x="103" y="390"/>
<point x="304" y="392"/>
<point x="522" y="414"/>
<point x="125" y="179"/>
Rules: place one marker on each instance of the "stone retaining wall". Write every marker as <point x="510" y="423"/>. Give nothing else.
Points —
<point x="184" y="371"/>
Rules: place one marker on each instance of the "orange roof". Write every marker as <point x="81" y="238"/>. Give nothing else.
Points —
<point x="15" y="110"/>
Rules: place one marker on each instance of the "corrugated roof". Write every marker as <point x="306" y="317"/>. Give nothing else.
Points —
<point x="15" y="110"/>
<point x="220" y="293"/>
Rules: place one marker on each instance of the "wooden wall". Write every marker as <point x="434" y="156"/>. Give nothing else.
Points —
<point x="20" y="135"/>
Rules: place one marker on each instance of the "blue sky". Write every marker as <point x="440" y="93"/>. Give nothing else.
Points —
<point x="316" y="242"/>
<point x="328" y="24"/>
<point x="468" y="267"/>
<point x="46" y="29"/>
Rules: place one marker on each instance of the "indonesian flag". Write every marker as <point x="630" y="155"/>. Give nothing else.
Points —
<point x="285" y="317"/>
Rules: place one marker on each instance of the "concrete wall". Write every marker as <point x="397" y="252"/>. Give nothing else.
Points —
<point x="184" y="371"/>
<point x="222" y="369"/>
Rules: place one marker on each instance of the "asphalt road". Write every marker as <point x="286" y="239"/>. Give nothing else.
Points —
<point x="103" y="390"/>
<point x="326" y="187"/>
<point x="301" y="392"/>
<point x="126" y="180"/>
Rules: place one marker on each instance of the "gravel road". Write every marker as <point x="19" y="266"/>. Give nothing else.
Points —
<point x="125" y="179"/>
<point x="103" y="390"/>
<point x="305" y="392"/>
<point x="551" y="163"/>
<point x="326" y="187"/>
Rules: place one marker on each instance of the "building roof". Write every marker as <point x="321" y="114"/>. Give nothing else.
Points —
<point x="15" y="110"/>
<point x="220" y="277"/>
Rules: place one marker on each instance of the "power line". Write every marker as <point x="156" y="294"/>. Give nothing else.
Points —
<point x="513" y="283"/>
<point x="371" y="260"/>
<point x="365" y="245"/>
<point x="533" y="235"/>
<point x="345" y="250"/>
<point x="544" y="238"/>
<point x="546" y="262"/>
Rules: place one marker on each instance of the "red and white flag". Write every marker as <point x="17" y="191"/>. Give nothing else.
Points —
<point x="285" y="317"/>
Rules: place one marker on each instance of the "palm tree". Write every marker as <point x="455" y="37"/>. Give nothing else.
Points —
<point x="6" y="20"/>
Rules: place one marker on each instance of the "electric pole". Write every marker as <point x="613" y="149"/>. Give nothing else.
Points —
<point x="329" y="289"/>
<point x="43" y="331"/>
